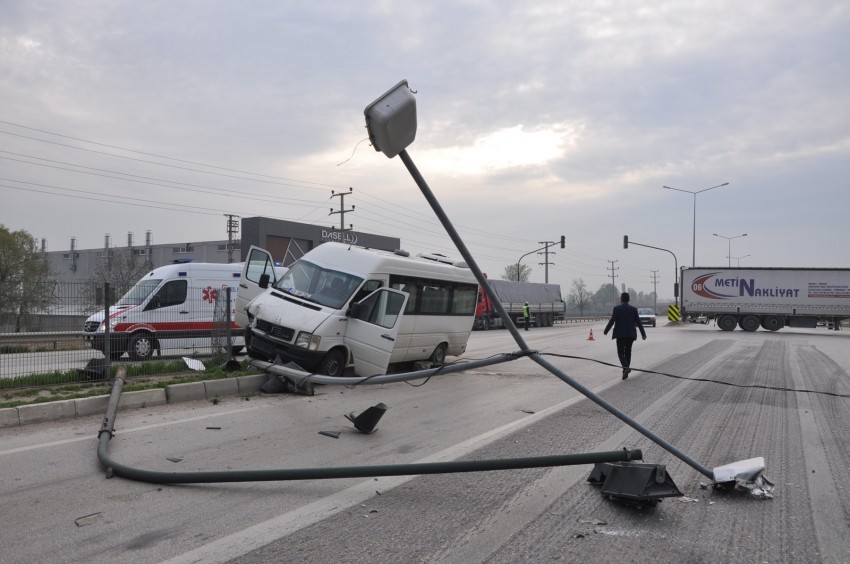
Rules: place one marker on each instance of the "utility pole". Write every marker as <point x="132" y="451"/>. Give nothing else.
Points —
<point x="232" y="229"/>
<point x="655" y="291"/>
<point x="613" y="269"/>
<point x="342" y="209"/>
<point x="546" y="262"/>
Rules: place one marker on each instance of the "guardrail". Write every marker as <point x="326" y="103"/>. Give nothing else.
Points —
<point x="41" y="337"/>
<point x="582" y="319"/>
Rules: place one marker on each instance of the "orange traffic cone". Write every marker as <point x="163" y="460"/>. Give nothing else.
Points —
<point x="590" y="337"/>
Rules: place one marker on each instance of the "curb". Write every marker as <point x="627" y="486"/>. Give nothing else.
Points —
<point x="175" y="393"/>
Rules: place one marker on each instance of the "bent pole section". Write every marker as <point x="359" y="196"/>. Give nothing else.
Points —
<point x="114" y="468"/>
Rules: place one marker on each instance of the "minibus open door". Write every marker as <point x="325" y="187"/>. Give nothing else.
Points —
<point x="373" y="325"/>
<point x="258" y="273"/>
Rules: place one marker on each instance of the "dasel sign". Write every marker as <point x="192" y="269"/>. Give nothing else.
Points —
<point x="347" y="237"/>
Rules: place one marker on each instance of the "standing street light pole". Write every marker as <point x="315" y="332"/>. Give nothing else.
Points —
<point x="694" y="256"/>
<point x="729" y="239"/>
<point x="739" y="259"/>
<point x="548" y="244"/>
<point x="675" y="264"/>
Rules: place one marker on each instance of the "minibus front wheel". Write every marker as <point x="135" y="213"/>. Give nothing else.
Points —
<point x="142" y="346"/>
<point x="333" y="364"/>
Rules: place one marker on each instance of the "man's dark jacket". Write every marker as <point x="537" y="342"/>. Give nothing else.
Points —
<point x="625" y="320"/>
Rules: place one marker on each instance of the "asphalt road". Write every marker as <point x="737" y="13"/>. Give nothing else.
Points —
<point x="57" y="505"/>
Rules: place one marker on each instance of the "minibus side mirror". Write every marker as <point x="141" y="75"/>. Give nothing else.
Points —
<point x="355" y="311"/>
<point x="264" y="281"/>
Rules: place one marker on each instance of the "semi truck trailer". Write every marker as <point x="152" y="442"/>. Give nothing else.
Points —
<point x="545" y="304"/>
<point x="770" y="298"/>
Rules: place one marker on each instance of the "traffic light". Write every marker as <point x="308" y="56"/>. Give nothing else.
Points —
<point x="563" y="241"/>
<point x="625" y="241"/>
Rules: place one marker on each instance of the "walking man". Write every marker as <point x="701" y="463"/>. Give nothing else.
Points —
<point x="526" y="316"/>
<point x="624" y="319"/>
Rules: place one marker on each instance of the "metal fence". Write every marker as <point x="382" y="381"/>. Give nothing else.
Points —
<point x="60" y="337"/>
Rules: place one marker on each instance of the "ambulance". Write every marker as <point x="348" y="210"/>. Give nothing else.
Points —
<point x="169" y="311"/>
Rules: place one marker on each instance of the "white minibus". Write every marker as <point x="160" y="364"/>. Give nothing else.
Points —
<point x="345" y="306"/>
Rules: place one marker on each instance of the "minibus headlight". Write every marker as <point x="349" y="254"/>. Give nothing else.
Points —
<point x="307" y="341"/>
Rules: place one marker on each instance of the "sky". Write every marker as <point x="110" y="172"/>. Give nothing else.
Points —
<point x="534" y="120"/>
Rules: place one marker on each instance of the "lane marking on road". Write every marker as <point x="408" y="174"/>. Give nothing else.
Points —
<point x="133" y="430"/>
<point x="826" y="511"/>
<point x="261" y="534"/>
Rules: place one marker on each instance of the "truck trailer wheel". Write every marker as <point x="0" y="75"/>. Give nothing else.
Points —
<point x="142" y="346"/>
<point x="749" y="323"/>
<point x="727" y="322"/>
<point x="773" y="323"/>
<point x="485" y="323"/>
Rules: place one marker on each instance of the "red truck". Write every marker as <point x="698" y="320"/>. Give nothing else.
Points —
<point x="545" y="304"/>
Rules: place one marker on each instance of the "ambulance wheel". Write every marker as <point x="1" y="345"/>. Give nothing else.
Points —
<point x="333" y="364"/>
<point x="142" y="346"/>
<point x="438" y="357"/>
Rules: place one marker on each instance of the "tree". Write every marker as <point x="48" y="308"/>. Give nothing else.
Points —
<point x="26" y="286"/>
<point x="580" y="297"/>
<point x="607" y="294"/>
<point x="510" y="272"/>
<point x="121" y="270"/>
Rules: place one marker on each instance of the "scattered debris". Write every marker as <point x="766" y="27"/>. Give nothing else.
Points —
<point x="175" y="460"/>
<point x="87" y="519"/>
<point x="745" y="475"/>
<point x="366" y="421"/>
<point x="633" y="483"/>
<point x="686" y="499"/>
<point x="331" y="434"/>
<point x="529" y="411"/>
<point x="703" y="485"/>
<point x="194" y="364"/>
<point x="215" y="428"/>
<point x="592" y="520"/>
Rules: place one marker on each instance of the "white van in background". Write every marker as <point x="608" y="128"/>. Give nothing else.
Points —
<point x="171" y="309"/>
<point x="342" y="305"/>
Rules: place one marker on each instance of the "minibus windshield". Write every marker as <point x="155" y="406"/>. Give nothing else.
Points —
<point x="139" y="292"/>
<point x="323" y="286"/>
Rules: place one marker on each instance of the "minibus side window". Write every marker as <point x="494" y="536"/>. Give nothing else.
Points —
<point x="368" y="287"/>
<point x="259" y="264"/>
<point x="382" y="308"/>
<point x="406" y="285"/>
<point x="463" y="299"/>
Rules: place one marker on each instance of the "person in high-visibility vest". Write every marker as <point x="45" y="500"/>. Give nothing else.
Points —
<point x="526" y="316"/>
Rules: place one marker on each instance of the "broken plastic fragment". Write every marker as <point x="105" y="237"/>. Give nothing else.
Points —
<point x="331" y="434"/>
<point x="194" y="364"/>
<point x="745" y="475"/>
<point x="87" y="519"/>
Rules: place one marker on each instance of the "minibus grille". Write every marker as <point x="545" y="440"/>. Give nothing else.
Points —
<point x="276" y="331"/>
